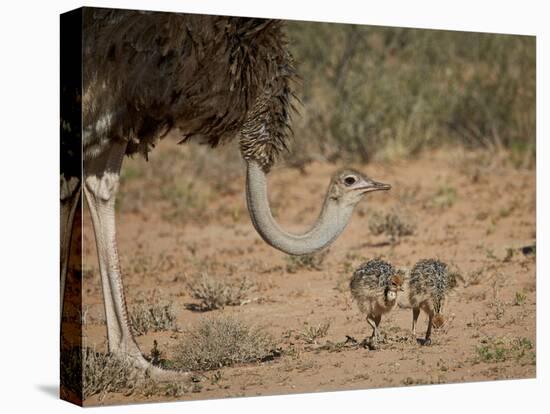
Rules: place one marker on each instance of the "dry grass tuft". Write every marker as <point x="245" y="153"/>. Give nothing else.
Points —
<point x="88" y="372"/>
<point x="444" y="197"/>
<point x="215" y="294"/>
<point x="394" y="225"/>
<point x="306" y="262"/>
<point x="520" y="298"/>
<point x="310" y="334"/>
<point x="223" y="341"/>
<point x="156" y="316"/>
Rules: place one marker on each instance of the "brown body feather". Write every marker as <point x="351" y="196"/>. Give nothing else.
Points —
<point x="210" y="77"/>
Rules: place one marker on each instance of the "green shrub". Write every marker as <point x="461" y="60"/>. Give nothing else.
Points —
<point x="381" y="92"/>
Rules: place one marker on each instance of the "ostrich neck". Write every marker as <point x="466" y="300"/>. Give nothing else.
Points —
<point x="331" y="222"/>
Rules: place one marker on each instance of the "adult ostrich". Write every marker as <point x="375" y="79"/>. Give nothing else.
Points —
<point x="212" y="78"/>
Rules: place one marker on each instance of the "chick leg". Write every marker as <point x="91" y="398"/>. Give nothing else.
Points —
<point x="416" y="313"/>
<point x="372" y="322"/>
<point x="427" y="340"/>
<point x="377" y="320"/>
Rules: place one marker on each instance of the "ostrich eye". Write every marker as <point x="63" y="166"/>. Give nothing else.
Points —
<point x="350" y="180"/>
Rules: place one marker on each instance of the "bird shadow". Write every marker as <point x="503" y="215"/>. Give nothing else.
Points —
<point x="49" y="389"/>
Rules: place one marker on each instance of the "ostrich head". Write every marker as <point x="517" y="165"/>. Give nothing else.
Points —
<point x="263" y="136"/>
<point x="345" y="190"/>
<point x="349" y="186"/>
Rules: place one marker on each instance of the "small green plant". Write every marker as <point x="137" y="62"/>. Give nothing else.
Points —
<point x="491" y="353"/>
<point x="444" y="197"/>
<point x="501" y="349"/>
<point x="223" y="341"/>
<point x="306" y="262"/>
<point x="520" y="298"/>
<point x="394" y="225"/>
<point x="310" y="334"/>
<point x="215" y="294"/>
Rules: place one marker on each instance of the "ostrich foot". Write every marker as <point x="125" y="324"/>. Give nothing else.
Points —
<point x="166" y="375"/>
<point x="146" y="369"/>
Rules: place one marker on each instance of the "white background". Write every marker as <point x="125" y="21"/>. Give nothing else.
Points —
<point x="29" y="228"/>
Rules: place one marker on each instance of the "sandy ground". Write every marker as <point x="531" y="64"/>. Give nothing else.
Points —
<point x="469" y="209"/>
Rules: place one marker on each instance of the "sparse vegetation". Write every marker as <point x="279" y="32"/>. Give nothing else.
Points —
<point x="223" y="341"/>
<point x="503" y="349"/>
<point x="155" y="316"/>
<point x="475" y="277"/>
<point x="311" y="333"/>
<point x="393" y="224"/>
<point x="444" y="197"/>
<point x="520" y="298"/>
<point x="306" y="262"/>
<point x="497" y="304"/>
<point x="88" y="372"/>
<point x="150" y="388"/>
<point x="216" y="293"/>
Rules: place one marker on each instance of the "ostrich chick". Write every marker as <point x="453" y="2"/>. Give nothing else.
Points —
<point x="374" y="286"/>
<point x="429" y="284"/>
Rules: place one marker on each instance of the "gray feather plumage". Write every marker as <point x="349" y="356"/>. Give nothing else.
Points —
<point x="374" y="275"/>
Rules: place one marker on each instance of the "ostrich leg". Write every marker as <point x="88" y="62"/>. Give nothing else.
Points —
<point x="101" y="181"/>
<point x="69" y="196"/>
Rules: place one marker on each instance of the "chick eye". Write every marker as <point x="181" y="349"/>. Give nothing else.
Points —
<point x="349" y="180"/>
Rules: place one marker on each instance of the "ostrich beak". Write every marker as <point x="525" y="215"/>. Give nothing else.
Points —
<point x="372" y="185"/>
